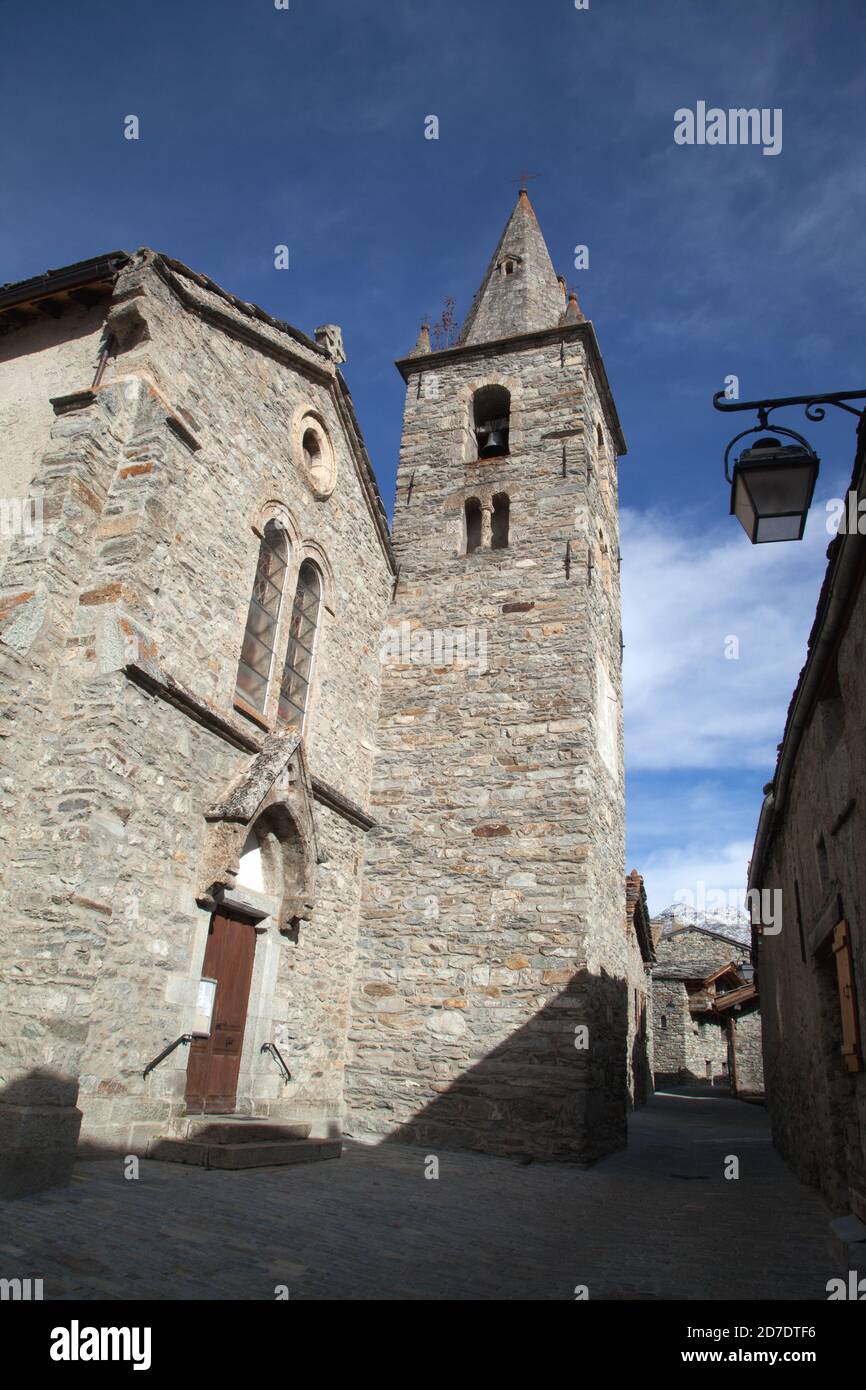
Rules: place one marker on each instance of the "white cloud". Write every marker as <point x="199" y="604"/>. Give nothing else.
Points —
<point x="712" y="724"/>
<point x="688" y="589"/>
<point x="704" y="875"/>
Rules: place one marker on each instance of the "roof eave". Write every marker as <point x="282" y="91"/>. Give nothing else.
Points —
<point x="96" y="270"/>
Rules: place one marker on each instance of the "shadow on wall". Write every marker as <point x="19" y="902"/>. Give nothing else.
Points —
<point x="39" y="1125"/>
<point x="642" y="1078"/>
<point x="720" y="1081"/>
<point x="555" y="1089"/>
<point x="549" y="1091"/>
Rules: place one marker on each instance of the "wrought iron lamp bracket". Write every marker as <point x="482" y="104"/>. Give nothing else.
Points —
<point x="760" y="429"/>
<point x="813" y="408"/>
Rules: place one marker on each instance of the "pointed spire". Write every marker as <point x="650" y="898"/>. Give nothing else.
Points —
<point x="520" y="292"/>
<point x="573" y="312"/>
<point x="423" y="344"/>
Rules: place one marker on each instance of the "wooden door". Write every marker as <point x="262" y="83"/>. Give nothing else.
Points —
<point x="214" y="1062"/>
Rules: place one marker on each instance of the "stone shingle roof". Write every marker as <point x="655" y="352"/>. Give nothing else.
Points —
<point x="694" y="970"/>
<point x="529" y="299"/>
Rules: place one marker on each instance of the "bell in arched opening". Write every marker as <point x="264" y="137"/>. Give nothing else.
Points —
<point x="491" y="410"/>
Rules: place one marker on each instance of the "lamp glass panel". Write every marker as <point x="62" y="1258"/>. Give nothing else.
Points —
<point x="779" y="487"/>
<point x="778" y="528"/>
<point x="743" y="508"/>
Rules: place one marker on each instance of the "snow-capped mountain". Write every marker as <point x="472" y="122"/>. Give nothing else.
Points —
<point x="727" y="921"/>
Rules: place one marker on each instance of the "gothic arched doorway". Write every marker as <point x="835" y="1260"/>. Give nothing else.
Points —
<point x="214" y="1060"/>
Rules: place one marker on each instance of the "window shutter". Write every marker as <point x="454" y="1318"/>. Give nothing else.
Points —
<point x="851" y="1052"/>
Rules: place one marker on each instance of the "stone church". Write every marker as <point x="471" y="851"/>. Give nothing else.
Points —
<point x="308" y="828"/>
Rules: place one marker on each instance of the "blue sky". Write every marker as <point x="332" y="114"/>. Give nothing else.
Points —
<point x="306" y="127"/>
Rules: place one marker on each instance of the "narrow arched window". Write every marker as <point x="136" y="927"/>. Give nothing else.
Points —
<point x="298" y="670"/>
<point x="257" y="652"/>
<point x="500" y="522"/>
<point x="599" y="438"/>
<point x="473" y="524"/>
<point x="491" y="417"/>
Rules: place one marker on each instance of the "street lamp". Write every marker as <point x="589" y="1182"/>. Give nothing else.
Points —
<point x="771" y="490"/>
<point x="772" y="484"/>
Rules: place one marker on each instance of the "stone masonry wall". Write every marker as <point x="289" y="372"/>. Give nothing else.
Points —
<point x="707" y="1050"/>
<point x="148" y="560"/>
<point x="692" y="947"/>
<point x="494" y="896"/>
<point x="687" y="1047"/>
<point x="750" y="1060"/>
<point x="671" y="1022"/>
<point x="817" y="1108"/>
<point x="38" y="361"/>
<point x="690" y="1047"/>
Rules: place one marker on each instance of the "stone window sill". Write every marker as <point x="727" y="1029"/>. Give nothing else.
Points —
<point x="253" y="715"/>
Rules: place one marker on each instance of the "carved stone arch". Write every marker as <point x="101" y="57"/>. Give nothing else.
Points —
<point x="271" y="508"/>
<point x="289" y="860"/>
<point x="491" y="378"/>
<point x="313" y="551"/>
<point x="272" y="801"/>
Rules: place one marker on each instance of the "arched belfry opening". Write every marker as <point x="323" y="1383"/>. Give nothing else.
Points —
<point x="473" y="524"/>
<point x="491" y="418"/>
<point x="500" y="521"/>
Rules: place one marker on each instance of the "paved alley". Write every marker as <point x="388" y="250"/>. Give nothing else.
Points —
<point x="657" y="1221"/>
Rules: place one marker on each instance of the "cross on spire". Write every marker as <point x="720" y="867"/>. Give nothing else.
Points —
<point x="524" y="177"/>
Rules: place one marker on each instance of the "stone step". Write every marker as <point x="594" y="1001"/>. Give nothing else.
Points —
<point x="247" y="1155"/>
<point x="261" y="1155"/>
<point x="205" y="1129"/>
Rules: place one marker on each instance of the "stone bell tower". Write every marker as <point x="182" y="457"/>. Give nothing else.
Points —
<point x="491" y="1003"/>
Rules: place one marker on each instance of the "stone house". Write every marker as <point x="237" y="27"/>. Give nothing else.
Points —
<point x="810" y="849"/>
<point x="257" y="860"/>
<point x="706" y="1014"/>
<point x="739" y="1013"/>
<point x="641" y="959"/>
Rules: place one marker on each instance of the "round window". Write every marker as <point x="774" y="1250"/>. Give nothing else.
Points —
<point x="317" y="456"/>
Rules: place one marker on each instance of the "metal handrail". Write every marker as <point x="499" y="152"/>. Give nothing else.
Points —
<point x="277" y="1055"/>
<point x="184" y="1038"/>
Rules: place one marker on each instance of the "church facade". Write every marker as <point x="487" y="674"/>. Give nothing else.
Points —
<point x="303" y="821"/>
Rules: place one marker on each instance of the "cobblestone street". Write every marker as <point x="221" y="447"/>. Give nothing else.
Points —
<point x="658" y="1221"/>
